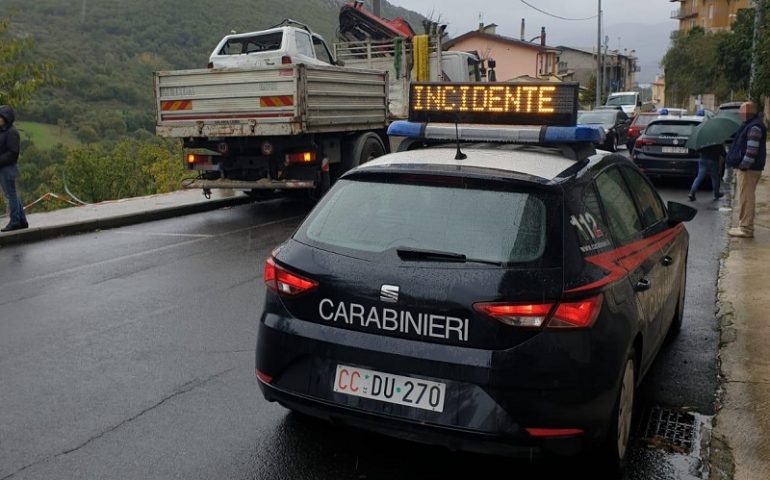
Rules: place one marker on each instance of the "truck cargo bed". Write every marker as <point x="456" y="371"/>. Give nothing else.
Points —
<point x="281" y="100"/>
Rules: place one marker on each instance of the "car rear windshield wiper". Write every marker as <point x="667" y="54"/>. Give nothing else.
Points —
<point x="414" y="254"/>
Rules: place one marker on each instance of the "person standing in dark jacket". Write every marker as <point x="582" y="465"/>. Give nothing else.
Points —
<point x="10" y="144"/>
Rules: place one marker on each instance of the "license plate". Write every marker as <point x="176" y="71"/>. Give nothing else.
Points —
<point x="385" y="387"/>
<point x="675" y="150"/>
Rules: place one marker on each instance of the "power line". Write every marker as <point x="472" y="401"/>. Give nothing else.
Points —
<point x="556" y="16"/>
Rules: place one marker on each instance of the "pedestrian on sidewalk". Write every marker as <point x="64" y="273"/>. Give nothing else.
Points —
<point x="747" y="155"/>
<point x="709" y="162"/>
<point x="10" y="145"/>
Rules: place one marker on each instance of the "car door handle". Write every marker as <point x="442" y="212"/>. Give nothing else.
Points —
<point x="667" y="261"/>
<point x="642" y="285"/>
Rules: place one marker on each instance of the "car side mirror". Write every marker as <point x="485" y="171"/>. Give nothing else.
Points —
<point x="679" y="212"/>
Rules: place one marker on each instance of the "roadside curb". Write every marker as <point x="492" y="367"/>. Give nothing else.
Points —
<point x="34" y="234"/>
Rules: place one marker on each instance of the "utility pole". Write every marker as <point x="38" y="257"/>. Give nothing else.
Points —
<point x="599" y="56"/>
<point x="759" y="10"/>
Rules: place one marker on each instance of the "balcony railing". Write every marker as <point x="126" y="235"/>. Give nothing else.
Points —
<point x="681" y="13"/>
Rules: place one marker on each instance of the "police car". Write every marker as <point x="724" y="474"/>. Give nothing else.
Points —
<point x="490" y="288"/>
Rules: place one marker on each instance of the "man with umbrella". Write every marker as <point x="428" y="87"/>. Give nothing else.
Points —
<point x="747" y="154"/>
<point x="708" y="140"/>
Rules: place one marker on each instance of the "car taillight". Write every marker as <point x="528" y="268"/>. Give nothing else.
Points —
<point x="301" y="157"/>
<point x="529" y="315"/>
<point x="283" y="282"/>
<point x="210" y="65"/>
<point x="633" y="131"/>
<point x="577" y="314"/>
<point x="642" y="141"/>
<point x="286" y="60"/>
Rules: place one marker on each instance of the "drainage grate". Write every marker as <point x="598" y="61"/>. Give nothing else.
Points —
<point x="669" y="428"/>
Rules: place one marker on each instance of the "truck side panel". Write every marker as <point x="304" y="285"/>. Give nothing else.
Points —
<point x="340" y="100"/>
<point x="275" y="101"/>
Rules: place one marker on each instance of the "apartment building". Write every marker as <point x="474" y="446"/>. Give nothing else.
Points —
<point x="711" y="15"/>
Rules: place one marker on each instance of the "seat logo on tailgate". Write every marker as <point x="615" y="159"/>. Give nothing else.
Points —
<point x="389" y="294"/>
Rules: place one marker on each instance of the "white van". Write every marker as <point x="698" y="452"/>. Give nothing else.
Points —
<point x="631" y="102"/>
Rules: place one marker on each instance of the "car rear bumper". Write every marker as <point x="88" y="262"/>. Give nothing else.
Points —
<point x="673" y="167"/>
<point x="482" y="412"/>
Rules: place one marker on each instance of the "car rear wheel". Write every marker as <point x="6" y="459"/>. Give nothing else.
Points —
<point x="612" y="143"/>
<point x="676" y="322"/>
<point x="614" y="452"/>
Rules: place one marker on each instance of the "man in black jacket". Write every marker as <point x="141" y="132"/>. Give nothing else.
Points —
<point x="10" y="143"/>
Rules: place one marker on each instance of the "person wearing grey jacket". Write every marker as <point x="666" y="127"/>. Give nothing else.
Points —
<point x="10" y="145"/>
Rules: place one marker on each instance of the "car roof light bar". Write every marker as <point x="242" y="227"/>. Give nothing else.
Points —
<point x="496" y="133"/>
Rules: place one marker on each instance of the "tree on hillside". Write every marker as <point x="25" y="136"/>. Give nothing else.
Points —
<point x="19" y="77"/>
<point x="692" y="66"/>
<point x="732" y="55"/>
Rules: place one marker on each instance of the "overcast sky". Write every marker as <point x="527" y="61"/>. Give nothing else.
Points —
<point x="463" y="16"/>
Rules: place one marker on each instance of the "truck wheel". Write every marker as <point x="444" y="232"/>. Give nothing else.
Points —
<point x="365" y="147"/>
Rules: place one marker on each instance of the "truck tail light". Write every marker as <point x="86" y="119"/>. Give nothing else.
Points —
<point x="577" y="314"/>
<point x="193" y="158"/>
<point x="285" y="283"/>
<point x="286" y="60"/>
<point x="300" y="158"/>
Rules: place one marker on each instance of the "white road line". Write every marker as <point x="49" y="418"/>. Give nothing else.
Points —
<point x="67" y="271"/>
<point x="162" y="234"/>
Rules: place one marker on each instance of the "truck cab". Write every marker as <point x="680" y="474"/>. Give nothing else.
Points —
<point x="288" y="43"/>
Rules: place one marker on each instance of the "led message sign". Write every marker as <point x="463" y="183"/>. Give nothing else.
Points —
<point x="539" y="103"/>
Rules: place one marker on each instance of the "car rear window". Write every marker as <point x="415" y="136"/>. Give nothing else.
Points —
<point x="491" y="225"/>
<point x="670" y="129"/>
<point x="596" y="117"/>
<point x="643" y="120"/>
<point x="257" y="43"/>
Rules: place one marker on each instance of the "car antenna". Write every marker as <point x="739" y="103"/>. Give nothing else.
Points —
<point x="459" y="155"/>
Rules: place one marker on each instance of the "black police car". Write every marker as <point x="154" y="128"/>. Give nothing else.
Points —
<point x="506" y="302"/>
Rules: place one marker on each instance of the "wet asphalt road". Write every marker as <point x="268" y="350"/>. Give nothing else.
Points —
<point x="129" y="354"/>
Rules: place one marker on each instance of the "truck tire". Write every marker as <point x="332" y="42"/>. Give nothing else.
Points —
<point x="363" y="148"/>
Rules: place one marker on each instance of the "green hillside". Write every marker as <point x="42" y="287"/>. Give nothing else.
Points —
<point x="103" y="52"/>
<point x="46" y="136"/>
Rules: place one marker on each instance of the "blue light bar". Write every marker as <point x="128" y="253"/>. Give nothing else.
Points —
<point x="497" y="133"/>
<point x="581" y="133"/>
<point x="402" y="128"/>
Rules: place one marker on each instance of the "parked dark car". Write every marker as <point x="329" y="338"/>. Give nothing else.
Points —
<point x="505" y="299"/>
<point x="637" y="126"/>
<point x="614" y="122"/>
<point x="661" y="150"/>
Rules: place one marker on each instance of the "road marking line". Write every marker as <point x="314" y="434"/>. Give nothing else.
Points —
<point x="162" y="234"/>
<point x="144" y="252"/>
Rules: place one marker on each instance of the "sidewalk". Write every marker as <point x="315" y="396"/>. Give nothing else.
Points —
<point x="117" y="213"/>
<point x="742" y="426"/>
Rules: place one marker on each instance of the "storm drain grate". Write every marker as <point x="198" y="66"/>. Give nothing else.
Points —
<point x="670" y="428"/>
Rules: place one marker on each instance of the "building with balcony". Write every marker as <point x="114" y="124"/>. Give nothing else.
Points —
<point x="515" y="58"/>
<point x="579" y="64"/>
<point x="711" y="15"/>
